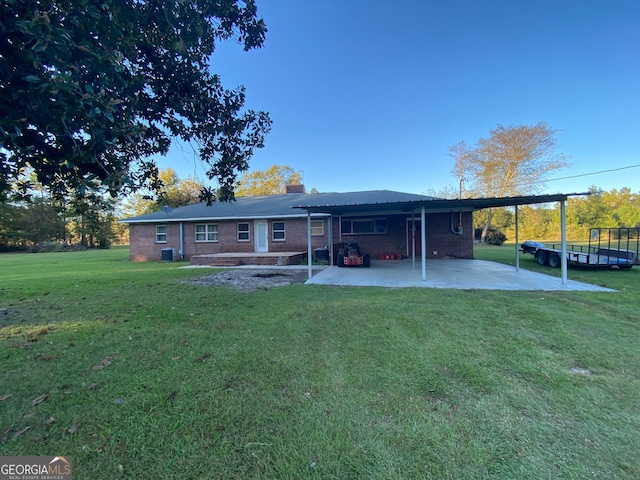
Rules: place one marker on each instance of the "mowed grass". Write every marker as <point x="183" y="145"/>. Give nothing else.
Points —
<point x="137" y="374"/>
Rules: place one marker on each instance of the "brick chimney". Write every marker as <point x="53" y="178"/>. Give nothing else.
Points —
<point x="295" y="189"/>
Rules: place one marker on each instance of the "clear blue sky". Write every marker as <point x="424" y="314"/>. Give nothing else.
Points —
<point x="368" y="95"/>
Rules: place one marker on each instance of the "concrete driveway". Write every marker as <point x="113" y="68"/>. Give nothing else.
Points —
<point x="458" y="274"/>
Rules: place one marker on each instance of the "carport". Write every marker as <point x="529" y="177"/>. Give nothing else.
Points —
<point x="419" y="208"/>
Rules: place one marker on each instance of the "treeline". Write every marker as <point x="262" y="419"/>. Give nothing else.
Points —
<point x="39" y="222"/>
<point x="43" y="224"/>
<point x="616" y="208"/>
<point x="83" y="219"/>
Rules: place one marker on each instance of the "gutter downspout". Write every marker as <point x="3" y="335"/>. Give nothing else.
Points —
<point x="181" y="252"/>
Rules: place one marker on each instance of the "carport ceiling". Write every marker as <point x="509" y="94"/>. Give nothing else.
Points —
<point x="430" y="204"/>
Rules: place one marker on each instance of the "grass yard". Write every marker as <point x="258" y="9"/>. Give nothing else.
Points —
<point x="137" y="374"/>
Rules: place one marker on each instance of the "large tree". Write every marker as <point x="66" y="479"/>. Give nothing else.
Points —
<point x="513" y="160"/>
<point x="90" y="91"/>
<point x="271" y="181"/>
<point x="176" y="192"/>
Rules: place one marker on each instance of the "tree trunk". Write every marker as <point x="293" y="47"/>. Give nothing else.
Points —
<point x="83" y="234"/>
<point x="483" y="237"/>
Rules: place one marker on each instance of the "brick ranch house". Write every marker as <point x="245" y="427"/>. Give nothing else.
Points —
<point x="286" y="229"/>
<point x="282" y="229"/>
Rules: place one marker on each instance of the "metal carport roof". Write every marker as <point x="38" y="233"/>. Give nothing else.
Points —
<point x="341" y="204"/>
<point x="336" y="204"/>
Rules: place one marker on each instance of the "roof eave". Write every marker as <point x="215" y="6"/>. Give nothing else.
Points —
<point x="221" y="218"/>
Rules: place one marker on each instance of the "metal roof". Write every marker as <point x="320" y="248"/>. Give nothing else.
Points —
<point x="243" y="208"/>
<point x="429" y="203"/>
<point x="297" y="205"/>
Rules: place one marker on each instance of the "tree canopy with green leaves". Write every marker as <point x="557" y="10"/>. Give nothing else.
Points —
<point x="91" y="91"/>
<point x="176" y="192"/>
<point x="271" y="181"/>
<point x="512" y="161"/>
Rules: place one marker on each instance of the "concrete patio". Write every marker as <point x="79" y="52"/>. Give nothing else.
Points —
<point x="458" y="274"/>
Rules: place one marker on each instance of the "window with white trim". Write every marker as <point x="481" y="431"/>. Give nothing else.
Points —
<point x="206" y="232"/>
<point x="277" y="231"/>
<point x="161" y="234"/>
<point x="243" y="232"/>
<point x="364" y="226"/>
<point x="317" y="227"/>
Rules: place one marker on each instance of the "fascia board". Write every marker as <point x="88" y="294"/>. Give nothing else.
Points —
<point x="219" y="219"/>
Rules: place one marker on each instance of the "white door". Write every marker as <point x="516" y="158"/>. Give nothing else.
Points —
<point x="261" y="236"/>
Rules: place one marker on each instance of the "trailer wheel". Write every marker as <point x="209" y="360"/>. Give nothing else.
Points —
<point x="542" y="257"/>
<point x="554" y="260"/>
<point x="340" y="260"/>
<point x="366" y="261"/>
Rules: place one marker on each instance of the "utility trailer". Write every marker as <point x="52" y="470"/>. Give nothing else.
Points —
<point x="607" y="248"/>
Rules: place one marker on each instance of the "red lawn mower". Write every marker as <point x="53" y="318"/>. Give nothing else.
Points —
<point x="352" y="255"/>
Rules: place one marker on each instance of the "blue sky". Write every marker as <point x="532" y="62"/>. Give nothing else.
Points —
<point x="368" y="95"/>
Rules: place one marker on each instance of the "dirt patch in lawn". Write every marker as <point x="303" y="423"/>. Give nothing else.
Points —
<point x="250" y="280"/>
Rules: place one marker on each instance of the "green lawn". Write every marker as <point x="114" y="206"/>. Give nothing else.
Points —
<point x="137" y="374"/>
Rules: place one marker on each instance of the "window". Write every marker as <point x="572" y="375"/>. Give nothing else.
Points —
<point x="161" y="234"/>
<point x="206" y="232"/>
<point x="317" y="227"/>
<point x="277" y="231"/>
<point x="364" y="225"/>
<point x="243" y="232"/>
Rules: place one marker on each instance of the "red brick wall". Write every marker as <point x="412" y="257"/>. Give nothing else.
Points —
<point x="394" y="241"/>
<point x="142" y="242"/>
<point x="439" y="238"/>
<point x="296" y="236"/>
<point x="143" y="246"/>
<point x="442" y="240"/>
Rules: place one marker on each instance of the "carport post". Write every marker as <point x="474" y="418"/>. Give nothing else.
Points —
<point x="330" y="235"/>
<point x="517" y="242"/>
<point x="310" y="272"/>
<point x="413" y="239"/>
<point x="423" y="243"/>
<point x="563" y="227"/>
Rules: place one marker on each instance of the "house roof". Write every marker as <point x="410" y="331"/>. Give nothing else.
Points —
<point x="241" y="208"/>
<point x="320" y="204"/>
<point x="270" y="206"/>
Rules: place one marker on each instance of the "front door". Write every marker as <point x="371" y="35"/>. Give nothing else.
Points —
<point x="261" y="236"/>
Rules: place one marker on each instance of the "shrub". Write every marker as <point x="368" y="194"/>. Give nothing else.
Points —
<point x="104" y="243"/>
<point x="47" y="247"/>
<point x="50" y="246"/>
<point x="495" y="237"/>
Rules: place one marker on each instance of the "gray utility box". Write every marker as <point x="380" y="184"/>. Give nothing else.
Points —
<point x="321" y="254"/>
